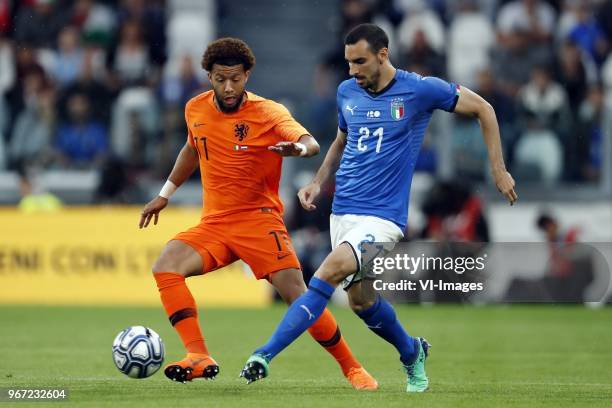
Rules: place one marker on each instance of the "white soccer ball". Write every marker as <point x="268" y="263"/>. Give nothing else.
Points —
<point x="138" y="352"/>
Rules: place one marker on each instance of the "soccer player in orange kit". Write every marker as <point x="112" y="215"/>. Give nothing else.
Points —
<point x="238" y="139"/>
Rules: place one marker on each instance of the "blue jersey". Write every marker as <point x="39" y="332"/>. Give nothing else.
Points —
<point x="384" y="135"/>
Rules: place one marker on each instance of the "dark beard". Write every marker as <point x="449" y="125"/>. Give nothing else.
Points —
<point x="226" y="109"/>
<point x="373" y="84"/>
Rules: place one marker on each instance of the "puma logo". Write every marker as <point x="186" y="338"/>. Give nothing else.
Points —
<point x="348" y="108"/>
<point x="310" y="315"/>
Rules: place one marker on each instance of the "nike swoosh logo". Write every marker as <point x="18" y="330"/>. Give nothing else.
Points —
<point x="198" y="124"/>
<point x="282" y="256"/>
<point x="378" y="326"/>
<point x="195" y="361"/>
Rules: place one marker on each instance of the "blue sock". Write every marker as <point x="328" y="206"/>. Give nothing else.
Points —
<point x="382" y="320"/>
<point x="302" y="313"/>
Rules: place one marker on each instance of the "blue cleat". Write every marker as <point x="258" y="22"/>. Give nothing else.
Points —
<point x="417" y="379"/>
<point x="256" y="368"/>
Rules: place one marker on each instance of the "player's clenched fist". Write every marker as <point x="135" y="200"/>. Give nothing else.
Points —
<point x="308" y="194"/>
<point x="151" y="210"/>
<point x="505" y="185"/>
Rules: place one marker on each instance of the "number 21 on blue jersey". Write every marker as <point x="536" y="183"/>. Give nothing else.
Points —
<point x="364" y="134"/>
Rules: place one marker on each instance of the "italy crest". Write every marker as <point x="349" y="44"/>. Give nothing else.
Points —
<point x="397" y="108"/>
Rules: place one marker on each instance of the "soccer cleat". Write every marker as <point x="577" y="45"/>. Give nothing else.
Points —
<point x="195" y="365"/>
<point x="360" y="379"/>
<point x="417" y="379"/>
<point x="256" y="368"/>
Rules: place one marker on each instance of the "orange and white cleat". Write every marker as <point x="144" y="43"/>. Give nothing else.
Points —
<point x="195" y="365"/>
<point x="360" y="379"/>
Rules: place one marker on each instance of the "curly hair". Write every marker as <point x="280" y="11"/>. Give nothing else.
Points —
<point x="228" y="51"/>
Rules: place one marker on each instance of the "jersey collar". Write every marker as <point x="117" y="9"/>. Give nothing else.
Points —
<point x="385" y="89"/>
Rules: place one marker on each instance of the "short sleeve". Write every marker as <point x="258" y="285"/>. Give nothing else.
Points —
<point x="341" y="120"/>
<point x="436" y="93"/>
<point x="285" y="126"/>
<point x="189" y="134"/>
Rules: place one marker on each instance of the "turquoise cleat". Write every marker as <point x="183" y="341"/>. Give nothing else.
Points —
<point x="256" y="368"/>
<point x="417" y="379"/>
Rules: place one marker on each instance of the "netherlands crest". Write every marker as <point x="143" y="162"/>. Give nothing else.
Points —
<point x="397" y="108"/>
<point x="241" y="131"/>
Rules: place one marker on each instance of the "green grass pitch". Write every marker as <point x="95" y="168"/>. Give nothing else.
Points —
<point x="555" y="356"/>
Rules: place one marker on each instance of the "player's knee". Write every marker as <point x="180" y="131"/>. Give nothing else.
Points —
<point x="290" y="296"/>
<point x="179" y="258"/>
<point x="169" y="261"/>
<point x="291" y="291"/>
<point x="166" y="263"/>
<point x="337" y="266"/>
<point x="289" y="284"/>
<point x="329" y="273"/>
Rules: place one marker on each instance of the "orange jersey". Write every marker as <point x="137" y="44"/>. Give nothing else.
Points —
<point x="238" y="171"/>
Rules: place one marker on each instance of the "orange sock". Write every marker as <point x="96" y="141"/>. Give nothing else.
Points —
<point x="325" y="330"/>
<point x="181" y="310"/>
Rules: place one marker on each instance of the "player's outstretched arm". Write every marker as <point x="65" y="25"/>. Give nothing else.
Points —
<point x="470" y="103"/>
<point x="185" y="165"/>
<point x="309" y="193"/>
<point x="306" y="146"/>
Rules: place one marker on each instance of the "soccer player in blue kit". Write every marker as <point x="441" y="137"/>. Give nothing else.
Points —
<point x="383" y="113"/>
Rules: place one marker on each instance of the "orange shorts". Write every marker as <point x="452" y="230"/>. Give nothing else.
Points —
<point x="258" y="237"/>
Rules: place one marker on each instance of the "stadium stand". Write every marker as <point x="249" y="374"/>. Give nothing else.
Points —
<point x="118" y="72"/>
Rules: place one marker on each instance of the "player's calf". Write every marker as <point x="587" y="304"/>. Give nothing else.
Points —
<point x="360" y="297"/>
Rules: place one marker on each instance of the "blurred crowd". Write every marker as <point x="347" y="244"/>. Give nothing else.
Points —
<point x="101" y="84"/>
<point x="86" y="83"/>
<point x="545" y="66"/>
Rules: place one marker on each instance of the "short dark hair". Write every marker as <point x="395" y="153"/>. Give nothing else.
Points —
<point x="228" y="51"/>
<point x="373" y="34"/>
<point x="544" y="220"/>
